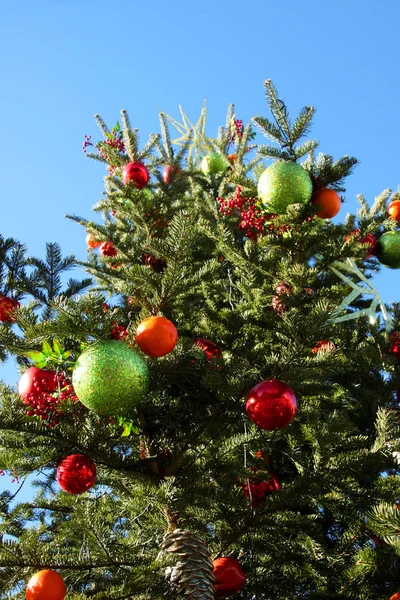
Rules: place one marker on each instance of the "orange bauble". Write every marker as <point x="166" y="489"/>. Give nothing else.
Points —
<point x="395" y="596"/>
<point x="46" y="585"/>
<point x="394" y="213"/>
<point x="328" y="203"/>
<point x="91" y="242"/>
<point x="156" y="336"/>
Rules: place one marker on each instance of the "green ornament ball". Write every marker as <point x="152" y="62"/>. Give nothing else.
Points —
<point x="284" y="183"/>
<point x="110" y="379"/>
<point x="388" y="249"/>
<point x="213" y="163"/>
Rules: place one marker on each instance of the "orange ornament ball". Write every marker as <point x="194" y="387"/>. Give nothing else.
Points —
<point x="156" y="336"/>
<point x="46" y="585"/>
<point x="394" y="213"/>
<point x="91" y="242"/>
<point x="327" y="203"/>
<point x="395" y="596"/>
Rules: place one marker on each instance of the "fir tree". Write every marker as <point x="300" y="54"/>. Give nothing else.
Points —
<point x="309" y="510"/>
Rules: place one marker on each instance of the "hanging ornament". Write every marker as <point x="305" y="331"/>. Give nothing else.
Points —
<point x="388" y="249"/>
<point x="171" y="173"/>
<point x="136" y="172"/>
<point x="282" y="184"/>
<point x="271" y="405"/>
<point x="229" y="576"/>
<point x="76" y="474"/>
<point x="210" y="349"/>
<point x="394" y="347"/>
<point x="213" y="163"/>
<point x="278" y="304"/>
<point x="395" y="596"/>
<point x="327" y="204"/>
<point x="110" y="379"/>
<point x="46" y="585"/>
<point x="394" y="210"/>
<point x="91" y="241"/>
<point x="108" y="249"/>
<point x="7" y="307"/>
<point x="156" y="336"/>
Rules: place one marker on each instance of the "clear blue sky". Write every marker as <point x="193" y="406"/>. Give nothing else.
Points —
<point x="62" y="61"/>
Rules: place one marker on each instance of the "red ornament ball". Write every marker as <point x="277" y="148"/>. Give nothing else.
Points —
<point x="76" y="474"/>
<point x="46" y="585"/>
<point x="210" y="349"/>
<point x="171" y="173"/>
<point x="229" y="576"/>
<point x="7" y="306"/>
<point x="156" y="336"/>
<point x="37" y="381"/>
<point x="271" y="405"/>
<point x="370" y="241"/>
<point x="136" y="172"/>
<point x="108" y="249"/>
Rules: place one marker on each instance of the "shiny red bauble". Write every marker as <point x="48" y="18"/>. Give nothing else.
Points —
<point x="171" y="173"/>
<point x="7" y="306"/>
<point x="271" y="404"/>
<point x="46" y="585"/>
<point x="108" y="249"/>
<point x="229" y="576"/>
<point x="371" y="241"/>
<point x="136" y="172"/>
<point x="76" y="474"/>
<point x="210" y="349"/>
<point x="36" y="381"/>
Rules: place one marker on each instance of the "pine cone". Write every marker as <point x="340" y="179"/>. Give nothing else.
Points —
<point x="192" y="577"/>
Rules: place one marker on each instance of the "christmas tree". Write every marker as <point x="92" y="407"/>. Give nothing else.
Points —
<point x="214" y="413"/>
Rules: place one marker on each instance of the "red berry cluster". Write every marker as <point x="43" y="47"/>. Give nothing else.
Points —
<point x="43" y="403"/>
<point x="87" y="142"/>
<point x="114" y="142"/>
<point x="118" y="332"/>
<point x="395" y="345"/>
<point x="239" y="128"/>
<point x="369" y="240"/>
<point x="7" y="306"/>
<point x="13" y="475"/>
<point x="251" y="219"/>
<point x="108" y="249"/>
<point x="260" y="489"/>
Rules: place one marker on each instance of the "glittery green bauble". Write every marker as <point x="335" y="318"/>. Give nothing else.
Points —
<point x="388" y="249"/>
<point x="213" y="163"/>
<point x="284" y="183"/>
<point x="110" y="378"/>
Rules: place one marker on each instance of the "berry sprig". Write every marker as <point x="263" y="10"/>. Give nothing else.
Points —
<point x="251" y="220"/>
<point x="118" y="332"/>
<point x="87" y="142"/>
<point x="48" y="395"/>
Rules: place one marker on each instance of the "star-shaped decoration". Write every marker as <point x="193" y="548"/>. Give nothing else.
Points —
<point x="196" y="133"/>
<point x="361" y="288"/>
